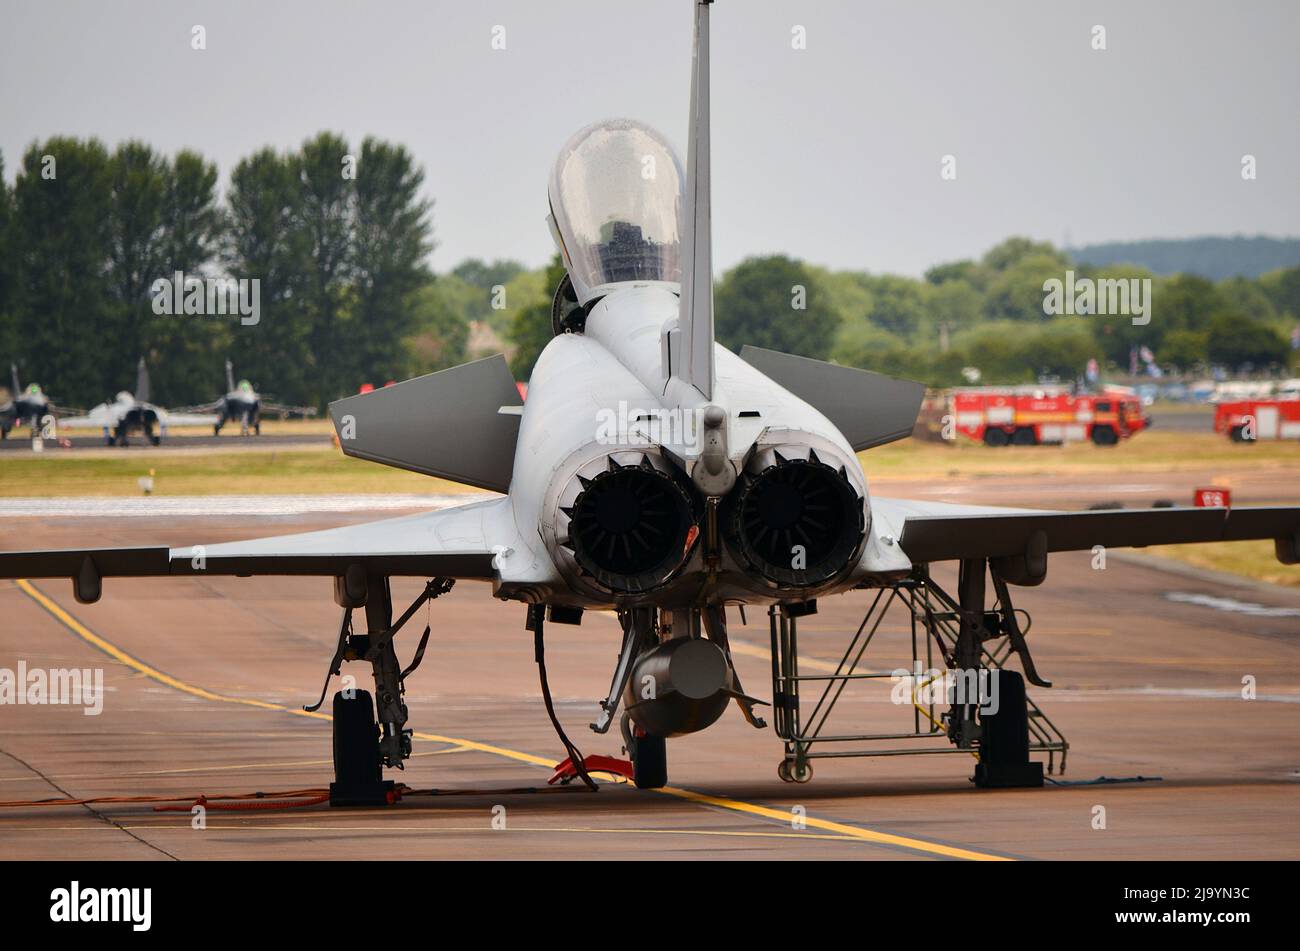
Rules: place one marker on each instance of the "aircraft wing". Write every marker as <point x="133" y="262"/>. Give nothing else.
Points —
<point x="271" y="407"/>
<point x="102" y="415"/>
<point x="458" y="542"/>
<point x="180" y="418"/>
<point x="941" y="531"/>
<point x="201" y="408"/>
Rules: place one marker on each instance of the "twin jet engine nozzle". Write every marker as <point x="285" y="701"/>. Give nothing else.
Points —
<point x="629" y="522"/>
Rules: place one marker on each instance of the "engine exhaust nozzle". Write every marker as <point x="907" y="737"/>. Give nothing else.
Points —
<point x="629" y="523"/>
<point x="796" y="520"/>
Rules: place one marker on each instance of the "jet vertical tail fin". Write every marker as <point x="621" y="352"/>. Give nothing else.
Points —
<point x="142" y="382"/>
<point x="694" y="359"/>
<point x="13" y="368"/>
<point x="230" y="376"/>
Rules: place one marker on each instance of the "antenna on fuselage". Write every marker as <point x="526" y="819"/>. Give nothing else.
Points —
<point x="695" y="314"/>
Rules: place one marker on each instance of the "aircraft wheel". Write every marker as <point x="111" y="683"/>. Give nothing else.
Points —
<point x="649" y="761"/>
<point x="257" y="428"/>
<point x="155" y="439"/>
<point x="801" y="772"/>
<point x="216" y="430"/>
<point x="357" y="761"/>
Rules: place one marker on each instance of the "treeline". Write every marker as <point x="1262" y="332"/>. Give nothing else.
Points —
<point x="988" y="315"/>
<point x="337" y="238"/>
<point x="1214" y="257"/>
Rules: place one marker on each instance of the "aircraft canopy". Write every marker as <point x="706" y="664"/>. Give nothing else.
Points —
<point x="616" y="194"/>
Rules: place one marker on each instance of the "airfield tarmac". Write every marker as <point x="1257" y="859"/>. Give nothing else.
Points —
<point x="205" y="678"/>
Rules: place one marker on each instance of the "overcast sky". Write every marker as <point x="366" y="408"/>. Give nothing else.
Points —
<point x="831" y="153"/>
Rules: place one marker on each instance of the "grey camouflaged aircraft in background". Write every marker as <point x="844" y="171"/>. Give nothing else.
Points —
<point x="129" y="413"/>
<point x="655" y="473"/>
<point x="242" y="404"/>
<point x="26" y="407"/>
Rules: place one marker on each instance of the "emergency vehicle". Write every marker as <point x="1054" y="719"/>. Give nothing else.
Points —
<point x="1249" y="420"/>
<point x="1042" y="415"/>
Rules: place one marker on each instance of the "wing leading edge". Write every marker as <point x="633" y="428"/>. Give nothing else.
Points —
<point x="938" y="531"/>
<point x="459" y="542"/>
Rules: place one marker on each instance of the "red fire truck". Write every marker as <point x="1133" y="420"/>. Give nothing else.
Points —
<point x="1249" y="420"/>
<point x="1045" y="415"/>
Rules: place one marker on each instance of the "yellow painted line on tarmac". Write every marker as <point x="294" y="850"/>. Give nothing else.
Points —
<point x="703" y="799"/>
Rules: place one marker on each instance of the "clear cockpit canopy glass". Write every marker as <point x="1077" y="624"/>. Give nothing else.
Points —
<point x="616" y="195"/>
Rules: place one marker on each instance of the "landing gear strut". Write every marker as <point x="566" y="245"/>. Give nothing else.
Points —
<point x="362" y="748"/>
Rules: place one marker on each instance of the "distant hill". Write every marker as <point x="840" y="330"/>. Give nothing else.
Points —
<point x="1215" y="258"/>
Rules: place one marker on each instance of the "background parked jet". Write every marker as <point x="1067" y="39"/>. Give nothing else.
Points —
<point x="131" y="413"/>
<point x="24" y="407"/>
<point x="244" y="405"/>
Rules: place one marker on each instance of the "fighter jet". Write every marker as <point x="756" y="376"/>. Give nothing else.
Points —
<point x="654" y="473"/>
<point x="28" y="406"/>
<point x="131" y="412"/>
<point x="244" y="405"/>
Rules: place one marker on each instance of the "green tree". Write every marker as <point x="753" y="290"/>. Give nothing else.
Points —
<point x="163" y="220"/>
<point x="530" y="329"/>
<point x="439" y="336"/>
<point x="392" y="242"/>
<point x="757" y="303"/>
<point x="1012" y="251"/>
<point x="1283" y="289"/>
<point x="1185" y="348"/>
<point x="1237" y="341"/>
<point x="326" y="216"/>
<point x="65" y="314"/>
<point x="186" y="354"/>
<point x="1016" y="291"/>
<point x="898" y="304"/>
<point x="487" y="276"/>
<point x="265" y="240"/>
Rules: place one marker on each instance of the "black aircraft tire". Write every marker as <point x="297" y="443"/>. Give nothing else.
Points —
<point x="650" y="762"/>
<point x="356" y="740"/>
<point x="1006" y="732"/>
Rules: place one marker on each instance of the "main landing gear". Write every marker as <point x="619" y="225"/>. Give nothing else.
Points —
<point x="370" y="733"/>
